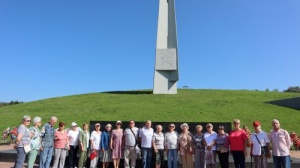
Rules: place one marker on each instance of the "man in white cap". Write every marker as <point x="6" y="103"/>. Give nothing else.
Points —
<point x="130" y="138"/>
<point x="73" y="135"/>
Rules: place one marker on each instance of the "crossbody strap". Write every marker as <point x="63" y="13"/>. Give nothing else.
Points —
<point x="258" y="140"/>
<point x="136" y="141"/>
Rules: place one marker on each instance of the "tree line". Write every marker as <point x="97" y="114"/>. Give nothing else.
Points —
<point x="10" y="103"/>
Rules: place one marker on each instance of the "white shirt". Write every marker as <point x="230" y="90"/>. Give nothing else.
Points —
<point x="130" y="139"/>
<point x="146" y="135"/>
<point x="96" y="138"/>
<point x="159" y="140"/>
<point x="262" y="137"/>
<point x="171" y="140"/>
<point x="209" y="138"/>
<point x="73" y="137"/>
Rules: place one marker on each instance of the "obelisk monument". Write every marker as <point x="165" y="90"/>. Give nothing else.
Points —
<point x="166" y="61"/>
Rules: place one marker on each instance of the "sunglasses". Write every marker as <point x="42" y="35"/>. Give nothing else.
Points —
<point x="171" y="126"/>
<point x="27" y="121"/>
<point x="236" y="123"/>
<point x="119" y="124"/>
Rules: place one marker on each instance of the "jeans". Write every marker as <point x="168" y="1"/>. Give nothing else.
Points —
<point x="172" y="158"/>
<point x="31" y="158"/>
<point x="45" y="157"/>
<point x="147" y="157"/>
<point x="239" y="159"/>
<point x="73" y="156"/>
<point x="20" y="157"/>
<point x="284" y="161"/>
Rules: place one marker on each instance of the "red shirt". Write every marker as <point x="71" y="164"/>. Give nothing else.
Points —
<point x="237" y="140"/>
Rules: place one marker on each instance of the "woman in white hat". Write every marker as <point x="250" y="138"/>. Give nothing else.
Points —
<point x="73" y="135"/>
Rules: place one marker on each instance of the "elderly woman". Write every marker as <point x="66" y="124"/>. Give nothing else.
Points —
<point x="238" y="144"/>
<point x="116" y="144"/>
<point x="158" y="146"/>
<point x="199" y="146"/>
<point x="95" y="144"/>
<point x="186" y="146"/>
<point x="222" y="142"/>
<point x="84" y="139"/>
<point x="35" y="141"/>
<point x="104" y="146"/>
<point x="22" y="141"/>
<point x="260" y="146"/>
<point x="210" y="142"/>
<point x="61" y="145"/>
<point x="171" y="144"/>
<point x="73" y="135"/>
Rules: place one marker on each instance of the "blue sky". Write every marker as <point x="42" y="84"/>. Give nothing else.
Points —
<point x="66" y="47"/>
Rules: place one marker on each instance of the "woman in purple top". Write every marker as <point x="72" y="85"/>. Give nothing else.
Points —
<point x="222" y="147"/>
<point x="116" y="144"/>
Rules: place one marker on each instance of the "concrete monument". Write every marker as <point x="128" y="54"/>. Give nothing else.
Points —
<point x="166" y="63"/>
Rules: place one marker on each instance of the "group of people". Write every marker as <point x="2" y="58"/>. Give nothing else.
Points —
<point x="198" y="150"/>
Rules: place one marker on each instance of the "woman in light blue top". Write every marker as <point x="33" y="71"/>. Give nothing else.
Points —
<point x="35" y="142"/>
<point x="23" y="138"/>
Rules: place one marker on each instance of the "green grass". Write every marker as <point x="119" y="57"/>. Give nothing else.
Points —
<point x="186" y="106"/>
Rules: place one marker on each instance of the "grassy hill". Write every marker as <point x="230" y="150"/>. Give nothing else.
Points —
<point x="187" y="105"/>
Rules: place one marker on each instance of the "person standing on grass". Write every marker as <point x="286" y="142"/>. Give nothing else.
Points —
<point x="260" y="146"/>
<point x="35" y="142"/>
<point x="23" y="138"/>
<point x="47" y="133"/>
<point x="281" y="144"/>
<point x="104" y="146"/>
<point x="116" y="144"/>
<point x="146" y="134"/>
<point x="130" y="137"/>
<point x="95" y="144"/>
<point x="222" y="143"/>
<point x="61" y="146"/>
<point x="238" y="144"/>
<point x="199" y="145"/>
<point x="171" y="145"/>
<point x="84" y="139"/>
<point x="158" y="147"/>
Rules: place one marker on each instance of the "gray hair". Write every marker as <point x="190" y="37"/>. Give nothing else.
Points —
<point x="184" y="125"/>
<point x="37" y="119"/>
<point x="53" y="118"/>
<point x="26" y="117"/>
<point x="158" y="126"/>
<point x="275" y="120"/>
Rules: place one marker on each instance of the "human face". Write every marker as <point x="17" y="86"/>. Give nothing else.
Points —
<point x="276" y="125"/>
<point x="171" y="127"/>
<point x="131" y="124"/>
<point x="27" y="121"/>
<point x="158" y="129"/>
<point x="209" y="128"/>
<point x="74" y="128"/>
<point x="86" y="127"/>
<point x="62" y="127"/>
<point x="39" y="123"/>
<point x="221" y="130"/>
<point x="118" y="125"/>
<point x="184" y="129"/>
<point x="199" y="130"/>
<point x="52" y="122"/>
<point x="148" y="124"/>
<point x="97" y="127"/>
<point x="108" y="128"/>
<point x="236" y="124"/>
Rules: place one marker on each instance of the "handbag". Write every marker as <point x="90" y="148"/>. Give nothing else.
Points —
<point x="93" y="155"/>
<point x="27" y="148"/>
<point x="223" y="150"/>
<point x="264" y="149"/>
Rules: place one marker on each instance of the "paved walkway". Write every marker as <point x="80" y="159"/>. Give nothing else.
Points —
<point x="8" y="149"/>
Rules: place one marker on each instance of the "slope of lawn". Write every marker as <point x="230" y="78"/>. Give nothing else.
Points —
<point x="188" y="105"/>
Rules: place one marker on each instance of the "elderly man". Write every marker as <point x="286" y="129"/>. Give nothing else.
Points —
<point x="130" y="138"/>
<point x="281" y="144"/>
<point x="146" y="134"/>
<point x="47" y="133"/>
